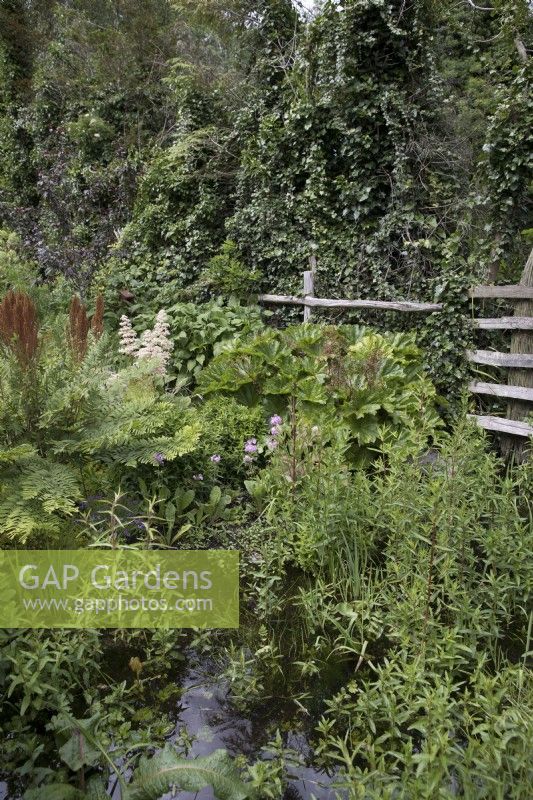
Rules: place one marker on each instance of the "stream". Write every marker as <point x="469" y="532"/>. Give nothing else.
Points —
<point x="212" y="722"/>
<point x="211" y="719"/>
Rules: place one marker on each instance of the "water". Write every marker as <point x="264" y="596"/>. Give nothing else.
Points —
<point x="208" y="715"/>
<point x="205" y="710"/>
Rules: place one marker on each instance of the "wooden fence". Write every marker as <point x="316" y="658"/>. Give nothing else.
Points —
<point x="522" y="293"/>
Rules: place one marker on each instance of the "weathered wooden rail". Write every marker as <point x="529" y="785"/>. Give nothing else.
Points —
<point x="517" y="292"/>
<point x="522" y="321"/>
<point x="309" y="301"/>
<point x="504" y="323"/>
<point x="322" y="302"/>
<point x="519" y="387"/>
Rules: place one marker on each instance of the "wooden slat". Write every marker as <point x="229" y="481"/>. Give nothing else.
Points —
<point x="503" y="425"/>
<point x="502" y="390"/>
<point x="315" y="302"/>
<point x="495" y="359"/>
<point x="283" y="299"/>
<point x="505" y="323"/>
<point x="309" y="290"/>
<point x="511" y="292"/>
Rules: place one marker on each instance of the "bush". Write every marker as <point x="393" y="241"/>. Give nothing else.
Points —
<point x="227" y="425"/>
<point x="201" y="331"/>
<point x="373" y="384"/>
<point x="70" y="424"/>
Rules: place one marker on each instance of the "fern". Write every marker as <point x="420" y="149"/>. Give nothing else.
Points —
<point x="16" y="455"/>
<point x="35" y="495"/>
<point x="142" y="451"/>
<point x="132" y="432"/>
<point x="155" y="776"/>
<point x="79" y="416"/>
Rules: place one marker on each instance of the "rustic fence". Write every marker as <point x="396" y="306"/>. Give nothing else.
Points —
<point x="519" y="388"/>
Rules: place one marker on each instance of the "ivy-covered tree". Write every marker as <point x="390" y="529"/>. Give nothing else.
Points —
<point x="339" y="160"/>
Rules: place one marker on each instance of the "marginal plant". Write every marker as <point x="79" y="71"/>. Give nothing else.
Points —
<point x="75" y="428"/>
<point x="154" y="345"/>
<point x="373" y="383"/>
<point x="79" y="325"/>
<point x="19" y="327"/>
<point x="78" y="328"/>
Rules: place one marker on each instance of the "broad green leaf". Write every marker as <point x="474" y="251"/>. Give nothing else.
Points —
<point x="154" y="776"/>
<point x="78" y="752"/>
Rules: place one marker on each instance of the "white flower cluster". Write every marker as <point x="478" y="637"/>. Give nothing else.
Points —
<point x="129" y="341"/>
<point x="154" y="344"/>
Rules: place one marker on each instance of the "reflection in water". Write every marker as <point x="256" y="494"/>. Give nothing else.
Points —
<point x="208" y="716"/>
<point x="211" y="720"/>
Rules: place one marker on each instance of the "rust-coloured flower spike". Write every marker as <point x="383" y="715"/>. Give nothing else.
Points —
<point x="78" y="328"/>
<point x="97" y="320"/>
<point x="19" y="326"/>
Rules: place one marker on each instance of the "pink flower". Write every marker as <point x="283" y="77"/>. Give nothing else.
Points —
<point x="215" y="458"/>
<point x="198" y="477"/>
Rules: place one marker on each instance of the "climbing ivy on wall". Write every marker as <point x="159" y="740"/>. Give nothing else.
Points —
<point x="391" y="136"/>
<point x="335" y="161"/>
<point x="378" y="134"/>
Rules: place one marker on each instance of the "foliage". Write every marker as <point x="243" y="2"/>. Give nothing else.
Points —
<point x="15" y="272"/>
<point x="184" y="156"/>
<point x="154" y="776"/>
<point x="373" y="383"/>
<point x="199" y="331"/>
<point x="413" y="694"/>
<point x="227" y="425"/>
<point x="83" y="124"/>
<point x="70" y="424"/>
<point x="416" y="574"/>
<point x="506" y="168"/>
<point x="44" y="675"/>
<point x="227" y="275"/>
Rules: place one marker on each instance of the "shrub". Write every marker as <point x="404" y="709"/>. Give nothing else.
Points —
<point x="373" y="384"/>
<point x="70" y="424"/>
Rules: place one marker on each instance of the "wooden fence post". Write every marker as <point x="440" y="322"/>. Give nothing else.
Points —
<point x="309" y="285"/>
<point x="521" y="342"/>
<point x="309" y="291"/>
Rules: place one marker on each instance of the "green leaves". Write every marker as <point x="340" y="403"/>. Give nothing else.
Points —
<point x="34" y="493"/>
<point x="156" y="775"/>
<point x="78" y="751"/>
<point x="55" y="791"/>
<point x="95" y="790"/>
<point x="373" y="382"/>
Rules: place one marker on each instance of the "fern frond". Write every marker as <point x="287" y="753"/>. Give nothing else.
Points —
<point x="142" y="451"/>
<point x="155" y="776"/>
<point x="14" y="455"/>
<point x="35" y="498"/>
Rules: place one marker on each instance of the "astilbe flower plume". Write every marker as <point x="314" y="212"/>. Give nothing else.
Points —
<point x="19" y="327"/>
<point x="129" y="341"/>
<point x="156" y="344"/>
